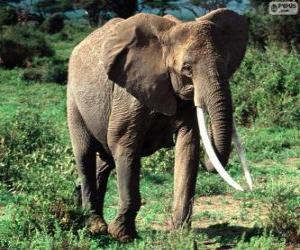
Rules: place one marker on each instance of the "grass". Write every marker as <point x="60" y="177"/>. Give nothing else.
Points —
<point x="37" y="201"/>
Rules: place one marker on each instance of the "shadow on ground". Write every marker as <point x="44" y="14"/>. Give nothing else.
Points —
<point x="227" y="234"/>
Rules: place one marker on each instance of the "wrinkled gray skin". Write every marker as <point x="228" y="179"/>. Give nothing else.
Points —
<point x="135" y="83"/>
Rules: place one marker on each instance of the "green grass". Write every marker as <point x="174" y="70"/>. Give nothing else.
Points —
<point x="38" y="176"/>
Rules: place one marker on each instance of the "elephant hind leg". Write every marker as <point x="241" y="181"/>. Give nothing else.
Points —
<point x="103" y="170"/>
<point x="85" y="155"/>
<point x="84" y="148"/>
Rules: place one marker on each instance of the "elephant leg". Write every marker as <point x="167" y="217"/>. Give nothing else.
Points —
<point x="85" y="156"/>
<point x="185" y="175"/>
<point x="86" y="166"/>
<point x="103" y="170"/>
<point x="128" y="173"/>
<point x="126" y="132"/>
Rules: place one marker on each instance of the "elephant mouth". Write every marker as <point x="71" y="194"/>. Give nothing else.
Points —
<point x="213" y="157"/>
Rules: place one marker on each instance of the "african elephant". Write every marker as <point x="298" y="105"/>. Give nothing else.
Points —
<point x="135" y="83"/>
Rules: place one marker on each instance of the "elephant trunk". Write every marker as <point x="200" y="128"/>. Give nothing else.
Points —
<point x="219" y="107"/>
<point x="213" y="95"/>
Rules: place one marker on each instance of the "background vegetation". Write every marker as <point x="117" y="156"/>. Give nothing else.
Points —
<point x="38" y="208"/>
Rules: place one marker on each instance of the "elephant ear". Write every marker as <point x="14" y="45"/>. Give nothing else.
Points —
<point x="133" y="59"/>
<point x="234" y="32"/>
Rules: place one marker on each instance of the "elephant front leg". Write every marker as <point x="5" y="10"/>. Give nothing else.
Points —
<point x="128" y="171"/>
<point x="185" y="175"/>
<point x="125" y="135"/>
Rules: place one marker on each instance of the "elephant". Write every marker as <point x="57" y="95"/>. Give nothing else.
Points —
<point x="135" y="83"/>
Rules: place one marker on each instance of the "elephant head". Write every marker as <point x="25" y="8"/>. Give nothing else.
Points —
<point x="160" y="59"/>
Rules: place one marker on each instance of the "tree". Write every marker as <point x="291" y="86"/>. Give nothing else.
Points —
<point x="9" y="2"/>
<point x="8" y="16"/>
<point x="210" y="5"/>
<point x="53" y="23"/>
<point x="197" y="7"/>
<point x="123" y="8"/>
<point x="161" y="5"/>
<point x="46" y="8"/>
<point x="259" y="3"/>
<point x="92" y="8"/>
<point x="280" y="29"/>
<point x="100" y="10"/>
<point x="23" y="10"/>
<point x="37" y="10"/>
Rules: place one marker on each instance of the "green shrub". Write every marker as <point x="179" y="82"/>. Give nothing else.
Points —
<point x="280" y="29"/>
<point x="274" y="143"/>
<point x="56" y="71"/>
<point x="266" y="88"/>
<point x="284" y="212"/>
<point x="264" y="242"/>
<point x="258" y="29"/>
<point x="162" y="160"/>
<point x="24" y="139"/>
<point x="53" y="24"/>
<point x="27" y="132"/>
<point x="19" y="44"/>
<point x="33" y="74"/>
<point x="46" y="70"/>
<point x="210" y="184"/>
<point x="73" y="32"/>
<point x="36" y="169"/>
<point x="8" y="16"/>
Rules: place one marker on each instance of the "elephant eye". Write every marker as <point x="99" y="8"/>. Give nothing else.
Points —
<point x="187" y="70"/>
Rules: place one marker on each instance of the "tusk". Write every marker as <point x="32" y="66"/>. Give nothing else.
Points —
<point x="211" y="153"/>
<point x="242" y="156"/>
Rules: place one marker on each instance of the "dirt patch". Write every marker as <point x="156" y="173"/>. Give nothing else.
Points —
<point x="209" y="211"/>
<point x="293" y="162"/>
<point x="221" y="209"/>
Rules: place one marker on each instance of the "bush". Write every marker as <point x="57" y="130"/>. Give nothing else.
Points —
<point x="263" y="242"/>
<point x="21" y="139"/>
<point x="162" y="160"/>
<point x="53" y="24"/>
<point x="27" y="132"/>
<point x="56" y="71"/>
<point x="271" y="143"/>
<point x="258" y="29"/>
<point x="33" y="74"/>
<point x="284" y="213"/>
<point x="210" y="185"/>
<point x="47" y="70"/>
<point x="8" y="16"/>
<point x="280" y="29"/>
<point x="266" y="88"/>
<point x="34" y="161"/>
<point x="74" y="31"/>
<point x="19" y="44"/>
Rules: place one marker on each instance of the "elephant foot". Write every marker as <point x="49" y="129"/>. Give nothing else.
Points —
<point x="122" y="229"/>
<point x="97" y="225"/>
